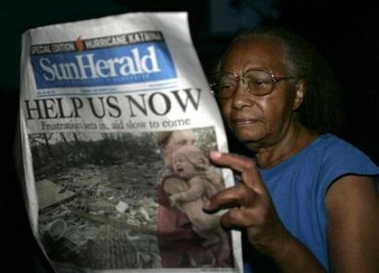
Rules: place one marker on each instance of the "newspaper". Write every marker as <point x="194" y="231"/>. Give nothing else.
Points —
<point x="116" y="123"/>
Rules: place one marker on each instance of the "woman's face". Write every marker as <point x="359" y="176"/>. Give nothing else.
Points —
<point x="177" y="140"/>
<point x="258" y="120"/>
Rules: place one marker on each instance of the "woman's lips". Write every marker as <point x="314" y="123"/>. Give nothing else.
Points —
<point x="244" y="121"/>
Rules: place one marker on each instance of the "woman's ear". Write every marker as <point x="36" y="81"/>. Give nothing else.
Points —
<point x="299" y="94"/>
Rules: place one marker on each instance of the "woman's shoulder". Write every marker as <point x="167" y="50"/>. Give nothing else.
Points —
<point x="332" y="146"/>
<point x="326" y="149"/>
<point x="331" y="142"/>
<point x="337" y="153"/>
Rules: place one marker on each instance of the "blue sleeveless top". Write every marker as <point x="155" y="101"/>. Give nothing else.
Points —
<point x="299" y="184"/>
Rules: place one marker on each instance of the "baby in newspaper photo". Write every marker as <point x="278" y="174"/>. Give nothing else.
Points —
<point x="186" y="183"/>
<point x="190" y="163"/>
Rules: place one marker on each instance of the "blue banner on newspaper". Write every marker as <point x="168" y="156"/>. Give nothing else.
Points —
<point x="127" y="64"/>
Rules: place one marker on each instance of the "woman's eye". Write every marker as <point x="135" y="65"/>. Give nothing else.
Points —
<point x="256" y="81"/>
<point x="225" y="86"/>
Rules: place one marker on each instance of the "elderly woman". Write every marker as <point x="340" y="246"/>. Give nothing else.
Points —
<point x="306" y="200"/>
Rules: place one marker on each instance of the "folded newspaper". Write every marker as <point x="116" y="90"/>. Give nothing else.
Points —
<point x="116" y="123"/>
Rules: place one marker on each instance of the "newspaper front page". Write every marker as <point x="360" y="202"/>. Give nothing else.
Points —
<point x="116" y="123"/>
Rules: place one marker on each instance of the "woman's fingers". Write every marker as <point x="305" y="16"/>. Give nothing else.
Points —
<point x="248" y="201"/>
<point x="233" y="197"/>
<point x="245" y="168"/>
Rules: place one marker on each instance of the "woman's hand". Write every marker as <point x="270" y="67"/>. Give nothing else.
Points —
<point x="249" y="205"/>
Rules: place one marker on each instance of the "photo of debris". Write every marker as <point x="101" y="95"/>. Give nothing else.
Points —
<point x="97" y="197"/>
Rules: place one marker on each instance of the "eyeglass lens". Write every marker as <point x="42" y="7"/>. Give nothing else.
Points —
<point x="255" y="82"/>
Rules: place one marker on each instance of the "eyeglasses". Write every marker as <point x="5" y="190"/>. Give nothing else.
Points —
<point x="256" y="82"/>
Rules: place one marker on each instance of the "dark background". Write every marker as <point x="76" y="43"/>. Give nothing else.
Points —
<point x="346" y="33"/>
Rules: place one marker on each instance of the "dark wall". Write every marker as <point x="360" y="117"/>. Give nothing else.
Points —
<point x="347" y="35"/>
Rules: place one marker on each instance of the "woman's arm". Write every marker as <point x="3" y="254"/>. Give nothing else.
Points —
<point x="353" y="230"/>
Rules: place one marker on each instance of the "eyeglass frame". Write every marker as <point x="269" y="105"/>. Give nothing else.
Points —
<point x="274" y="79"/>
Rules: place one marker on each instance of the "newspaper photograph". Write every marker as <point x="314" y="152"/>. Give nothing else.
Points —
<point x="116" y="124"/>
